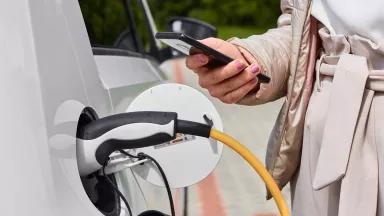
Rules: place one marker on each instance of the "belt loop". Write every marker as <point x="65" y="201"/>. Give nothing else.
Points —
<point x="318" y="64"/>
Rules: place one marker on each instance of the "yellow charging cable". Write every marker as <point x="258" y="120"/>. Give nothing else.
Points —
<point x="256" y="165"/>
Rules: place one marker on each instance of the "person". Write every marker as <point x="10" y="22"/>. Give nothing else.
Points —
<point x="326" y="58"/>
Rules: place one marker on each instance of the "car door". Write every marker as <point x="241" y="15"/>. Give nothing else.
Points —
<point x="48" y="77"/>
<point x="125" y="68"/>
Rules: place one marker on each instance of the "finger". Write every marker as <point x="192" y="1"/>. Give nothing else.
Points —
<point x="236" y="82"/>
<point x="213" y="42"/>
<point x="220" y="74"/>
<point x="195" y="61"/>
<point x="238" y="94"/>
<point x="201" y="71"/>
<point x="221" y="46"/>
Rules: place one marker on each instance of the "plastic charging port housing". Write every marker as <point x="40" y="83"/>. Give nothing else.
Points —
<point x="96" y="187"/>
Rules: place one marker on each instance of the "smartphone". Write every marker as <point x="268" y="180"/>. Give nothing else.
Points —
<point x="189" y="46"/>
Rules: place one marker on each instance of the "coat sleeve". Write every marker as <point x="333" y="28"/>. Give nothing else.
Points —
<point x="272" y="51"/>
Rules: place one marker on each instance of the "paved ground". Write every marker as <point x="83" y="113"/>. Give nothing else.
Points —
<point x="233" y="189"/>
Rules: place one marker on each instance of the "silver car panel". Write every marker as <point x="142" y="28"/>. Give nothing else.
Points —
<point x="47" y="76"/>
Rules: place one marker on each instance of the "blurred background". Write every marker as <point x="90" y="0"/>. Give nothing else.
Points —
<point x="240" y="18"/>
<point x="233" y="188"/>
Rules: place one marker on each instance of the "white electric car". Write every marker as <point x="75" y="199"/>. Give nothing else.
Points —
<point x="53" y="74"/>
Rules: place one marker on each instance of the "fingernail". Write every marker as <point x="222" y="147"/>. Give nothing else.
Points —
<point x="203" y="59"/>
<point x="239" y="65"/>
<point x="255" y="69"/>
<point x="254" y="81"/>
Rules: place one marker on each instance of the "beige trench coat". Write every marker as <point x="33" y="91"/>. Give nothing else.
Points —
<point x="287" y="54"/>
<point x="342" y="127"/>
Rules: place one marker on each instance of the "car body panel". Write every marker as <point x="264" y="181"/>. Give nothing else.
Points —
<point x="125" y="77"/>
<point x="48" y="75"/>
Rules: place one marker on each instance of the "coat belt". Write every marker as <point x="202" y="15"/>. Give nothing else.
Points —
<point x="351" y="78"/>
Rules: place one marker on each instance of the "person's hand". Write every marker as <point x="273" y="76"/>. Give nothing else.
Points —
<point x="228" y="83"/>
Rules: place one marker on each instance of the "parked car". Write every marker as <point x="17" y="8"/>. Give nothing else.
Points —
<point x="54" y="76"/>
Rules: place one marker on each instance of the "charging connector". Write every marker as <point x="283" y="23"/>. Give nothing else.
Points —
<point x="97" y="140"/>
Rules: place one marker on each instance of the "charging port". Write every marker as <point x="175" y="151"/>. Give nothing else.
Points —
<point x="105" y="199"/>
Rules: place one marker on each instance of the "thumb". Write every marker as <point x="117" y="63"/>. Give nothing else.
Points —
<point x="214" y="43"/>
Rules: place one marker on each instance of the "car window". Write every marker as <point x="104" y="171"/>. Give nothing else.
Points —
<point x="105" y="20"/>
<point x="114" y="24"/>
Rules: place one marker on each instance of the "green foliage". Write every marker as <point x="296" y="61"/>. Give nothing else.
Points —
<point x="261" y="14"/>
<point x="226" y="32"/>
<point x="107" y="19"/>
